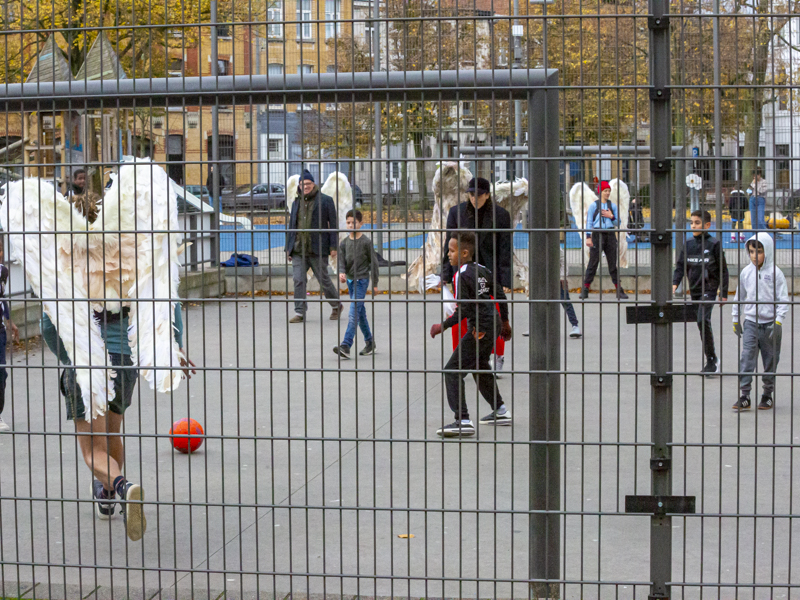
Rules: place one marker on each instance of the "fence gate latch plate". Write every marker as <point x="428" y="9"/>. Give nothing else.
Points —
<point x="660" y="464"/>
<point x="660" y="505"/>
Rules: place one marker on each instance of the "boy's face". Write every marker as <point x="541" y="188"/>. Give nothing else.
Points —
<point x="455" y="257"/>
<point x="352" y="224"/>
<point x="698" y="227"/>
<point x="756" y="254"/>
<point x="605" y="194"/>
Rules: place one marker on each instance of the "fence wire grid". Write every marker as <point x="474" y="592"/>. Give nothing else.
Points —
<point x="233" y="229"/>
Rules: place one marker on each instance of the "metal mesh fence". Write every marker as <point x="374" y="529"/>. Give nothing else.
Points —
<point x="273" y="198"/>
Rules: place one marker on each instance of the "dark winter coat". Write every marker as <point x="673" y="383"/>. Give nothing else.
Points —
<point x="495" y="249"/>
<point x="325" y="235"/>
<point x="475" y="290"/>
<point x="705" y="265"/>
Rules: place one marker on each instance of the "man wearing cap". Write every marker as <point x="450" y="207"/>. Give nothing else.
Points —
<point x="312" y="236"/>
<point x="602" y="215"/>
<point x="494" y="248"/>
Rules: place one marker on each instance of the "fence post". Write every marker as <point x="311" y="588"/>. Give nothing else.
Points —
<point x="544" y="206"/>
<point x="661" y="265"/>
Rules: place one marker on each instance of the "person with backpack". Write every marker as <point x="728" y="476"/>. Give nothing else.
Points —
<point x="602" y="219"/>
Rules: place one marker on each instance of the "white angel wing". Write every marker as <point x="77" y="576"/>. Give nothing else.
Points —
<point x="142" y="193"/>
<point x="449" y="188"/>
<point x="338" y="188"/>
<point x="581" y="197"/>
<point x="621" y="196"/>
<point x="54" y="272"/>
<point x="291" y="191"/>
<point x="513" y="196"/>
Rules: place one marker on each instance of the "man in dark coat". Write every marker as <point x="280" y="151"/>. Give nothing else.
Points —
<point x="494" y="250"/>
<point x="311" y="237"/>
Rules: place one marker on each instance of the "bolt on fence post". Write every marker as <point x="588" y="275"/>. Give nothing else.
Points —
<point x="544" y="206"/>
<point x="661" y="265"/>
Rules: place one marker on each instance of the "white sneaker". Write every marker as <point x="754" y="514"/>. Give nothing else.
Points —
<point x="733" y="237"/>
<point x="576" y="332"/>
<point x="742" y="237"/>
<point x="498" y="363"/>
<point x="4" y="426"/>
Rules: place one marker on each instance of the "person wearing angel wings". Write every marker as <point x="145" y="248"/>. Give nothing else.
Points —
<point x="602" y="215"/>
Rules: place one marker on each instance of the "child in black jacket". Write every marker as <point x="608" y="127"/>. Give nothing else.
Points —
<point x="476" y="294"/>
<point x="703" y="262"/>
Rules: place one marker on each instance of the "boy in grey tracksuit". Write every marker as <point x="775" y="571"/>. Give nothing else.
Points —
<point x="764" y="297"/>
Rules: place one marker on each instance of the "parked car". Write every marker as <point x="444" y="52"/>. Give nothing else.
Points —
<point x="197" y="190"/>
<point x="260" y="197"/>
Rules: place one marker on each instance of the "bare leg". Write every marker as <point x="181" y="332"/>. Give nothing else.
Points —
<point x="102" y="453"/>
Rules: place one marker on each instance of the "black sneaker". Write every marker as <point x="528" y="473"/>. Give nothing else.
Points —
<point x="712" y="368"/>
<point x="500" y="417"/>
<point x="135" y="521"/>
<point x="457" y="429"/>
<point x="621" y="294"/>
<point x="102" y="508"/>
<point x="766" y="403"/>
<point x="343" y="351"/>
<point x="742" y="404"/>
<point x="584" y="293"/>
<point x="368" y="349"/>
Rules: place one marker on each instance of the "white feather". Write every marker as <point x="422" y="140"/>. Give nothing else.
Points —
<point x="338" y="187"/>
<point x="621" y="196"/>
<point x="291" y="191"/>
<point x="581" y="197"/>
<point x="56" y="267"/>
<point x="513" y="196"/>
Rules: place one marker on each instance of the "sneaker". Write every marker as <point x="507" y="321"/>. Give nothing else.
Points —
<point x="621" y="294"/>
<point x="500" y="417"/>
<point x="102" y="508"/>
<point x="498" y="362"/>
<point x="742" y="237"/>
<point x="742" y="404"/>
<point x="576" y="332"/>
<point x="4" y="426"/>
<point x="712" y="368"/>
<point x="135" y="521"/>
<point x="337" y="312"/>
<point x="734" y="237"/>
<point x="584" y="293"/>
<point x="296" y="319"/>
<point x="369" y="348"/>
<point x="766" y="403"/>
<point x="343" y="351"/>
<point x="463" y="428"/>
<point x="526" y="334"/>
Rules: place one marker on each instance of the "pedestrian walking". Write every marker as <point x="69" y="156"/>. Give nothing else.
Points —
<point x="702" y="261"/>
<point x="602" y="218"/>
<point x="759" y="310"/>
<point x="758" y="202"/>
<point x="6" y="325"/>
<point x="312" y="236"/>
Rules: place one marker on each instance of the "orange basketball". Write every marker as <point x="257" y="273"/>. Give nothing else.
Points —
<point x="187" y="435"/>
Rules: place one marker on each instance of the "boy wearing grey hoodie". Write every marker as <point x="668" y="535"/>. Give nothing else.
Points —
<point x="764" y="297"/>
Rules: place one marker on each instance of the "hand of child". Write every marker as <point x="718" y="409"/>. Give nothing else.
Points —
<point x="737" y="329"/>
<point x="288" y="257"/>
<point x="342" y="277"/>
<point x="723" y="298"/>
<point x="187" y="365"/>
<point x="374" y="291"/>
<point x="436" y="330"/>
<point x="505" y="331"/>
<point x="14" y="330"/>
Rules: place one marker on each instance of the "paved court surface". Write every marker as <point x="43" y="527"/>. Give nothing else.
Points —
<point x="317" y="468"/>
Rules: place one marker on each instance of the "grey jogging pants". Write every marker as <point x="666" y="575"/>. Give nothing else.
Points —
<point x="757" y="337"/>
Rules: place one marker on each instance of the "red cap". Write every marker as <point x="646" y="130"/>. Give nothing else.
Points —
<point x="604" y="186"/>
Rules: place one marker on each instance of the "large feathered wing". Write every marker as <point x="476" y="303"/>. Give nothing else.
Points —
<point x="513" y="196"/>
<point x="449" y="188"/>
<point x="338" y="187"/>
<point x="56" y="269"/>
<point x="581" y="197"/>
<point x="147" y="204"/>
<point x="291" y="191"/>
<point x="621" y="196"/>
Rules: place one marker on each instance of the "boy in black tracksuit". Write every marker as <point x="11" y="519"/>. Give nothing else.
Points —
<point x="705" y="267"/>
<point x="476" y="294"/>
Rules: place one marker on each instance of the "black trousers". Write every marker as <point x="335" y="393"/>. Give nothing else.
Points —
<point x="704" y="325"/>
<point x="607" y="242"/>
<point x="471" y="355"/>
<point x="3" y="371"/>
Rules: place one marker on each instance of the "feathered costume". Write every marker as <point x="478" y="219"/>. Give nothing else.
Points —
<point x="71" y="260"/>
<point x="513" y="196"/>
<point x="581" y="197"/>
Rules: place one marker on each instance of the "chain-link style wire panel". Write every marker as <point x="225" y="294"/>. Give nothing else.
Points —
<point x="161" y="221"/>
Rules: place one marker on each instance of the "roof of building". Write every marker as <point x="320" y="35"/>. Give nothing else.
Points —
<point x="51" y="64"/>
<point x="101" y="62"/>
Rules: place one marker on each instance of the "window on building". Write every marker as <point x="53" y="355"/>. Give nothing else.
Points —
<point x="275" y="15"/>
<point x="783" y="167"/>
<point x="224" y="30"/>
<point x="223" y="67"/>
<point x="275" y="69"/>
<point x="304" y="19"/>
<point x="332" y="14"/>
<point x="175" y="67"/>
<point x="305" y="69"/>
